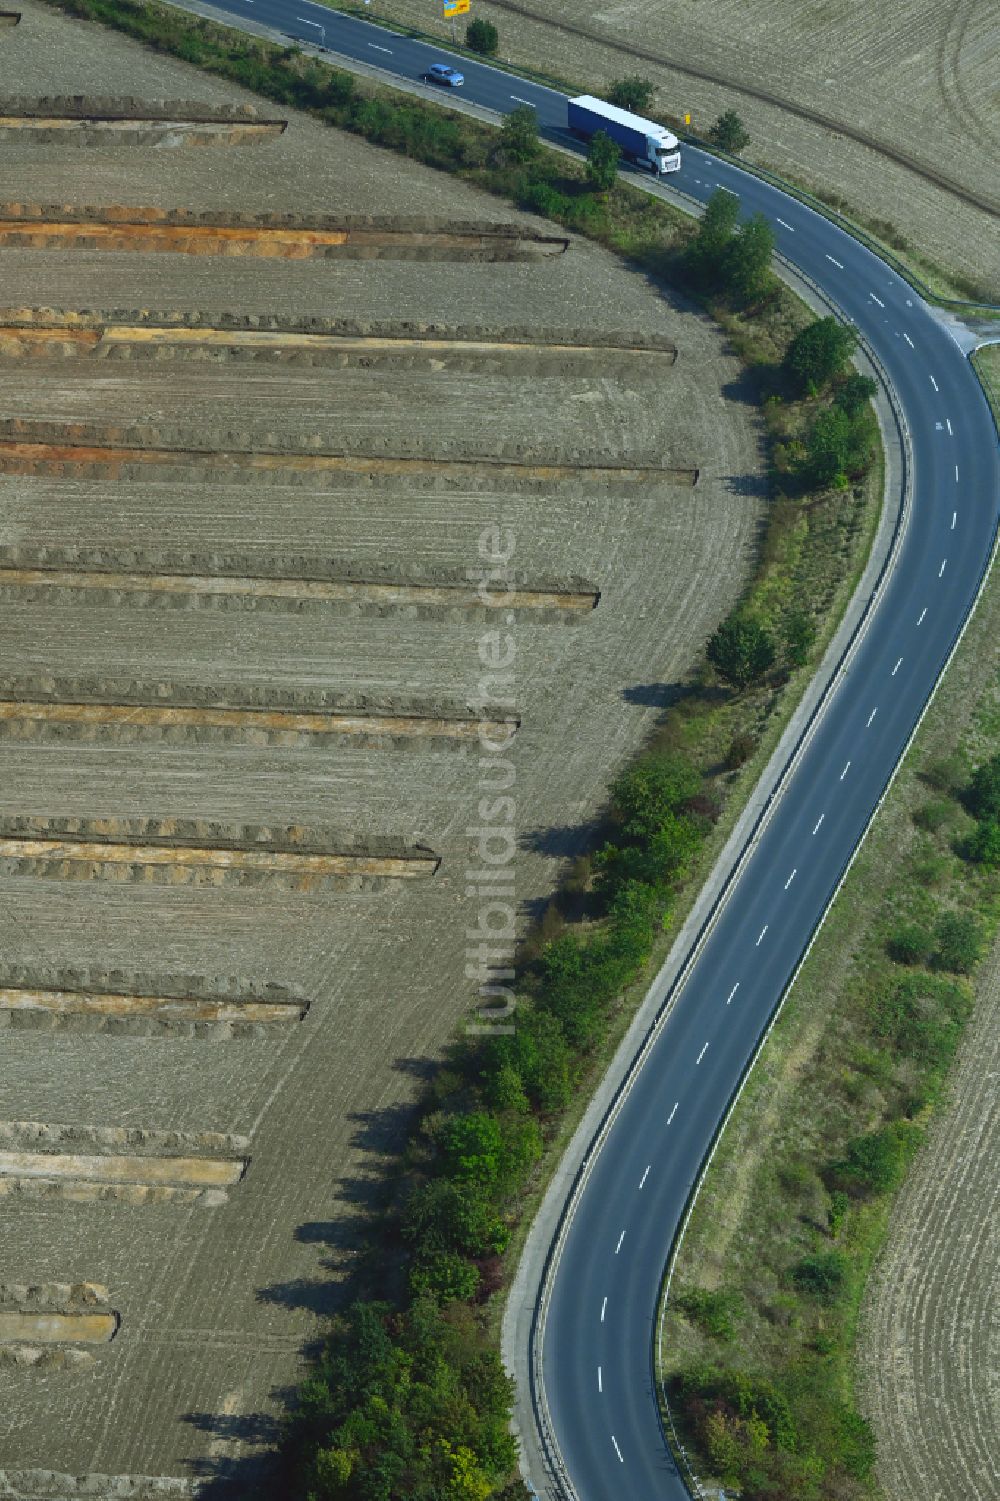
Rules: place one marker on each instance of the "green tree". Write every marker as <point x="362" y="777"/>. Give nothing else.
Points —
<point x="446" y="1214"/>
<point x="519" y="134"/>
<point x="729" y="133"/>
<point x="657" y="785"/>
<point x="958" y="943"/>
<point x="984" y="846"/>
<point x="746" y="262"/>
<point x="818" y="353"/>
<point x="703" y="257"/>
<point x="742" y="650"/>
<point x="854" y="394"/>
<point x="603" y="156"/>
<point x="445" y="1276"/>
<point x="482" y="37"/>
<point x="983" y="795"/>
<point x="634" y="93"/>
<point x="828" y="451"/>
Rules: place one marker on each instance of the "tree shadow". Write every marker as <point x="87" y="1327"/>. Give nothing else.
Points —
<point x="560" y="841"/>
<point x="654" y="695"/>
<point x="241" y="1477"/>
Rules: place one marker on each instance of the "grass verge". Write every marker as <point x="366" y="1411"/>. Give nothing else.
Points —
<point x="759" y="1336"/>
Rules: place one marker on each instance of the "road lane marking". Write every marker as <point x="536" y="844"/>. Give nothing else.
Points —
<point x="818" y="822"/>
<point x="876" y="299"/>
<point x="619" y="1245"/>
<point x="604" y="1309"/>
<point x="600" y="1384"/>
<point x="785" y="226"/>
<point x="701" y="1055"/>
<point x="617" y="1450"/>
<point x="644" y="1176"/>
<point x="956" y="474"/>
<point x="732" y="993"/>
<point x="870" y="718"/>
<point x="935" y="384"/>
<point x="791" y="878"/>
<point x="838" y="264"/>
<point x="923" y="612"/>
<point x="376" y="48"/>
<point x="948" y="425"/>
<point x="760" y="940"/>
<point x="944" y="564"/>
<point x="673" y="1112"/>
<point x="523" y="101"/>
<point x="897" y="667"/>
<point x="909" y="341"/>
<point x="954" y="518"/>
<point x="845" y="771"/>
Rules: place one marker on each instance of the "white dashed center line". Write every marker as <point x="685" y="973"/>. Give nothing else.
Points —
<point x="870" y="718"/>
<point x="897" y="667"/>
<point x="947" y="421"/>
<point x="818" y="822"/>
<point x="600" y="1383"/>
<point x="376" y="48"/>
<point x="876" y="299"/>
<point x="956" y="474"/>
<point x="791" y="878"/>
<point x="604" y="1309"/>
<point x="522" y="101"/>
<point x="838" y="264"/>
<point x="954" y="518"/>
<point x="923" y="612"/>
<point x="760" y="940"/>
<point x="944" y="564"/>
<point x="701" y="1055"/>
<point x="785" y="226"/>
<point x="909" y="341"/>
<point x="845" y="771"/>
<point x="732" y="992"/>
<point x="645" y="1175"/>
<point x="935" y="384"/>
<point x="617" y="1450"/>
<point x="619" y="1245"/>
<point x="673" y="1112"/>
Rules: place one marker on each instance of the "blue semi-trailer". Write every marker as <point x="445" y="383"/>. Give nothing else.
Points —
<point x="643" y="141"/>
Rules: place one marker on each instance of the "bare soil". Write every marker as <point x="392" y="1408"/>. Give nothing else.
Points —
<point x="219" y="1296"/>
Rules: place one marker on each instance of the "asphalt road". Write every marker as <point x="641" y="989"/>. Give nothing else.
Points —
<point x="597" y="1358"/>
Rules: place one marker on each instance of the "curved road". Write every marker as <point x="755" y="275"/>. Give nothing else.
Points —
<point x="596" y="1359"/>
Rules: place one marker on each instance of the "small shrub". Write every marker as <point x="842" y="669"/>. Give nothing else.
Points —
<point x="819" y="353"/>
<point x="958" y="943"/>
<point x="984" y="845"/>
<point x="872" y="1164"/>
<point x="482" y="37"/>
<point x="946" y="773"/>
<point x="910" y="944"/>
<point x="714" y="1312"/>
<point x="519" y="134"/>
<point x="742" y="650"/>
<point x="603" y="156"/>
<point x="741" y="748"/>
<point x="822" y="1275"/>
<point x="837" y="1212"/>
<point x="983" y="793"/>
<point x="934" y="815"/>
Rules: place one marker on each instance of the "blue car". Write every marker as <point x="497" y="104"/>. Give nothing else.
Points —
<point x="449" y="78"/>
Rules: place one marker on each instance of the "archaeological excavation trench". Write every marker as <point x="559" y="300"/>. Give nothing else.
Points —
<point x="341" y="507"/>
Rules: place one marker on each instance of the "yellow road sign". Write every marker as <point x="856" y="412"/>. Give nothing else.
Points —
<point x="455" y="8"/>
